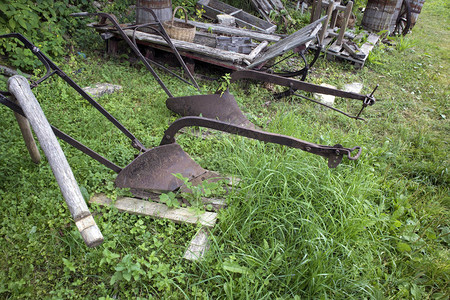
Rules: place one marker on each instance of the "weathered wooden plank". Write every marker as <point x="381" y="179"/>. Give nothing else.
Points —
<point x="277" y="4"/>
<point x="372" y="40"/>
<point x="214" y="28"/>
<point x="354" y="50"/>
<point x="323" y="31"/>
<point x="186" y="46"/>
<point x="296" y="39"/>
<point x="214" y="7"/>
<point x="198" y="246"/>
<point x="257" y="50"/>
<point x="335" y="47"/>
<point x="157" y="210"/>
<point x="317" y="10"/>
<point x="347" y="12"/>
<point x="20" y="88"/>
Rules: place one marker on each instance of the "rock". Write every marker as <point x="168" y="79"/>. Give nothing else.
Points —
<point x="325" y="99"/>
<point x="226" y="20"/>
<point x="354" y="87"/>
<point x="100" y="89"/>
<point x="97" y="5"/>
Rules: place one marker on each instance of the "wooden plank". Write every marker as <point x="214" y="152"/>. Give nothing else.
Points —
<point x="326" y="41"/>
<point x="348" y="35"/>
<point x="157" y="210"/>
<point x="262" y="8"/>
<point x="186" y="46"/>
<point x="277" y="4"/>
<point x="317" y="10"/>
<point x="298" y="38"/>
<point x="216" y="203"/>
<point x="243" y="19"/>
<point x="348" y="11"/>
<point x="214" y="28"/>
<point x="323" y="31"/>
<point x="335" y="47"/>
<point x="257" y="50"/>
<point x="198" y="246"/>
<point x="372" y="40"/>
<point x="20" y="88"/>
<point x="354" y="50"/>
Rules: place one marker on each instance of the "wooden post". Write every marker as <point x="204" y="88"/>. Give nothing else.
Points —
<point x="317" y="10"/>
<point x="27" y="135"/>
<point x="323" y="31"/>
<point x="20" y="88"/>
<point x="348" y="11"/>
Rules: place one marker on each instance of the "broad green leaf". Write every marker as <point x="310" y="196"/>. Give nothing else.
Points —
<point x="403" y="247"/>
<point x="234" y="267"/>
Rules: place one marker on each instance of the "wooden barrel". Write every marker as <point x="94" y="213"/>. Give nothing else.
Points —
<point x="378" y="14"/>
<point x="162" y="9"/>
<point x="416" y="8"/>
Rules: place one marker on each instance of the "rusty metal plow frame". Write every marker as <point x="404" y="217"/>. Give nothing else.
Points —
<point x="294" y="85"/>
<point x="132" y="43"/>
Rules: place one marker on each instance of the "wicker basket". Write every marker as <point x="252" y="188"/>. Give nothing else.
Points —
<point x="179" y="30"/>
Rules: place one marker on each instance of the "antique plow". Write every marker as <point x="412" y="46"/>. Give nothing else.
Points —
<point x="225" y="108"/>
<point x="153" y="169"/>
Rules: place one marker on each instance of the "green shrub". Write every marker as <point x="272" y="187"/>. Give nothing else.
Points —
<point x="45" y="23"/>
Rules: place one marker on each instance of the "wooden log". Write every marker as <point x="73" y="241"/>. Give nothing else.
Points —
<point x="11" y="72"/>
<point x="20" y="88"/>
<point x="27" y="135"/>
<point x="157" y="210"/>
<point x="348" y="11"/>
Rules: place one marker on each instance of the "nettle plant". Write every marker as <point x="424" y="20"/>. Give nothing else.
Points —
<point x="194" y="197"/>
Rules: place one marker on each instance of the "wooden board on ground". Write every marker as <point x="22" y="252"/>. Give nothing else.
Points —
<point x="157" y="210"/>
<point x="198" y="246"/>
<point x="334" y="51"/>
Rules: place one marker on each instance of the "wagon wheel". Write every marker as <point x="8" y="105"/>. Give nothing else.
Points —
<point x="403" y="23"/>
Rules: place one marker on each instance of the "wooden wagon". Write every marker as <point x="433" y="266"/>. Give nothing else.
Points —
<point x="203" y="48"/>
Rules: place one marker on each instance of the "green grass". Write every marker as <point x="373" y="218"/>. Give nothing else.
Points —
<point x="375" y="228"/>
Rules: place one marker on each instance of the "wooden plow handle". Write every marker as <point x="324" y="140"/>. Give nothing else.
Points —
<point x="20" y="88"/>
